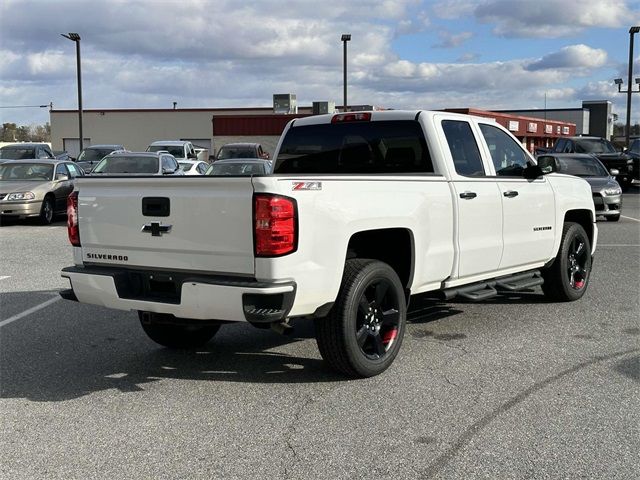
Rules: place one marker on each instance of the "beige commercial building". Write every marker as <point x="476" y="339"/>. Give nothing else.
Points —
<point x="137" y="128"/>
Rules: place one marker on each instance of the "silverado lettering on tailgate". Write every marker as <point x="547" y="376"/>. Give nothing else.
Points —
<point x="103" y="256"/>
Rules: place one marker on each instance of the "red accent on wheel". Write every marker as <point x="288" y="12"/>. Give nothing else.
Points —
<point x="580" y="284"/>
<point x="389" y="336"/>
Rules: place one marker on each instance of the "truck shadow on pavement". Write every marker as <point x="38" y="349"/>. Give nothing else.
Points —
<point x="69" y="350"/>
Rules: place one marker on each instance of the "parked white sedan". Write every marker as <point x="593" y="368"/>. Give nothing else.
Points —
<point x="194" y="167"/>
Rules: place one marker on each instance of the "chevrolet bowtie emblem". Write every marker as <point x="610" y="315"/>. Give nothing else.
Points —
<point x="156" y="229"/>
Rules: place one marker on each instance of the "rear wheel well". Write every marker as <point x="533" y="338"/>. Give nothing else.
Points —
<point x="582" y="217"/>
<point x="393" y="246"/>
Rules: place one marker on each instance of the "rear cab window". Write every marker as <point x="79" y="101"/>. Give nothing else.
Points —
<point x="370" y="147"/>
<point x="465" y="154"/>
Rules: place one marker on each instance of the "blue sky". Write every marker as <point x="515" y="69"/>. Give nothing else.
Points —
<point x="404" y="53"/>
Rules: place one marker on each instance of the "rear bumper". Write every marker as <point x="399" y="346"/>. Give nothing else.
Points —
<point x="184" y="295"/>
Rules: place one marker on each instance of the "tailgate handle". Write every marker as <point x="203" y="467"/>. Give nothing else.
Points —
<point x="155" y="206"/>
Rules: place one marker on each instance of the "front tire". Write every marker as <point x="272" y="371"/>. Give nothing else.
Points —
<point x="46" y="211"/>
<point x="363" y="333"/>
<point x="567" y="278"/>
<point x="173" y="335"/>
<point x="612" y="218"/>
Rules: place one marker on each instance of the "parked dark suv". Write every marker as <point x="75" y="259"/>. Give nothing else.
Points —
<point x="634" y="153"/>
<point x="605" y="152"/>
<point x="242" y="150"/>
<point x="90" y="156"/>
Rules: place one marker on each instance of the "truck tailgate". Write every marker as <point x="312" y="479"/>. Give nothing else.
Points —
<point x="201" y="224"/>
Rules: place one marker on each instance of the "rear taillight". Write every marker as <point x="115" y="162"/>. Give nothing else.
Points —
<point x="72" y="219"/>
<point x="275" y="225"/>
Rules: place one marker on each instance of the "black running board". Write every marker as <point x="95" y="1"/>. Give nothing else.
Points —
<point x="490" y="288"/>
<point x="521" y="281"/>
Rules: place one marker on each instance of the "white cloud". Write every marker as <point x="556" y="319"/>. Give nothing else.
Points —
<point x="452" y="40"/>
<point x="552" y="18"/>
<point x="565" y="94"/>
<point x="453" y="9"/>
<point x="571" y="57"/>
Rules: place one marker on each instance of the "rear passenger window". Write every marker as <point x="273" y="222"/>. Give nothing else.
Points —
<point x="464" y="149"/>
<point x="508" y="156"/>
<point x="61" y="170"/>
<point x="355" y="147"/>
<point x="73" y="170"/>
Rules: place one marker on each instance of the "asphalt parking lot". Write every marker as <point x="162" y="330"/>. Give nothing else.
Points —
<point x="514" y="387"/>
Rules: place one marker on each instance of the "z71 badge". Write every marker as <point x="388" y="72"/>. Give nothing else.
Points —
<point x="307" y="186"/>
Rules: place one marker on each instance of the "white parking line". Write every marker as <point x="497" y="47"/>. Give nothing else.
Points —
<point x="630" y="218"/>
<point x="4" y="277"/>
<point x="30" y="311"/>
<point x="618" y="245"/>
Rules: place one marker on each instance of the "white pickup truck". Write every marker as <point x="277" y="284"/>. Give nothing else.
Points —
<point x="180" y="149"/>
<point x="364" y="209"/>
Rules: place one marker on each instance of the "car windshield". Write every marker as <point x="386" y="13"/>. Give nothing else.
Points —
<point x="17" y="153"/>
<point x="582" y="167"/>
<point x="94" y="154"/>
<point x="635" y="146"/>
<point x="237" y="152"/>
<point x="127" y="164"/>
<point x="37" y="172"/>
<point x="175" y="150"/>
<point x="186" y="166"/>
<point x="594" y="145"/>
<point x="236" y="169"/>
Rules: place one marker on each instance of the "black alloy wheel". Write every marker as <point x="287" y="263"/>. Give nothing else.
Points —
<point x="567" y="278"/>
<point x="576" y="263"/>
<point x="378" y="319"/>
<point x="363" y="333"/>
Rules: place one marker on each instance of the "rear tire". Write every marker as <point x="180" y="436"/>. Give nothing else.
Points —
<point x="567" y="278"/>
<point x="612" y="218"/>
<point x="363" y="333"/>
<point x="177" y="336"/>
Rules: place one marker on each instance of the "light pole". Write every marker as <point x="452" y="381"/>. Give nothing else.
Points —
<point x="345" y="38"/>
<point x="74" y="37"/>
<point x="629" y="91"/>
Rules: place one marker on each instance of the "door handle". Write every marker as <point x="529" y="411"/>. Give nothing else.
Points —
<point x="468" y="195"/>
<point x="510" y="193"/>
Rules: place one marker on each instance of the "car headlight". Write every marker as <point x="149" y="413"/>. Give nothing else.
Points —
<point x="613" y="191"/>
<point x="21" y="196"/>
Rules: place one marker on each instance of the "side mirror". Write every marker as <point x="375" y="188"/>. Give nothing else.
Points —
<point x="548" y="164"/>
<point x="61" y="177"/>
<point x="614" y="172"/>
